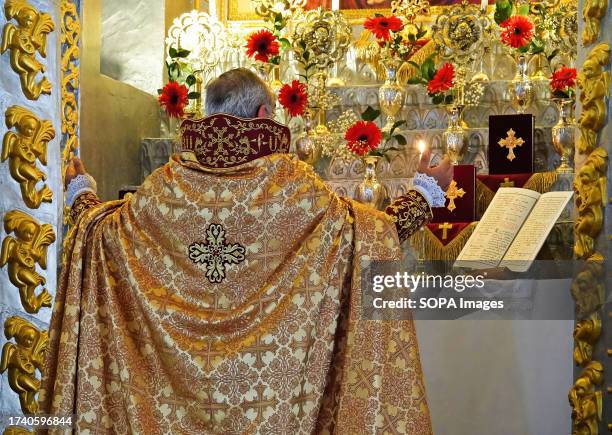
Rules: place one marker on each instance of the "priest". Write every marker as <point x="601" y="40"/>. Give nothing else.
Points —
<point x="224" y="295"/>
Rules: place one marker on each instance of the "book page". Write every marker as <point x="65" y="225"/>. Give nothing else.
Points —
<point x="497" y="228"/>
<point x="535" y="230"/>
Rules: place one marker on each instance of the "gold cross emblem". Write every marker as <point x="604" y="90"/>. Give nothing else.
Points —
<point x="507" y="183"/>
<point x="511" y="142"/>
<point x="452" y="193"/>
<point x="445" y="227"/>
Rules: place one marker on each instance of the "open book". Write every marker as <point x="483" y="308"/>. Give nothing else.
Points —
<point x="513" y="229"/>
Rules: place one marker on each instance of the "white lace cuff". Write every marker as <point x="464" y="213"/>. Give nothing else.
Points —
<point x="428" y="187"/>
<point x="80" y="184"/>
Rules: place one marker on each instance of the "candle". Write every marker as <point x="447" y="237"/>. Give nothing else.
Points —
<point x="212" y="8"/>
<point x="483" y="5"/>
<point x="335" y="5"/>
<point x="421" y="146"/>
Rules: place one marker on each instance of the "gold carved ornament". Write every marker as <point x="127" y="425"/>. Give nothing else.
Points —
<point x="586" y="334"/>
<point x="590" y="192"/>
<point x="592" y="13"/>
<point x="24" y="40"/>
<point x="22" y="148"/>
<point x="585" y="401"/>
<point x="16" y="430"/>
<point x="70" y="37"/>
<point x="22" y="358"/>
<point x="22" y="252"/>
<point x="594" y="84"/>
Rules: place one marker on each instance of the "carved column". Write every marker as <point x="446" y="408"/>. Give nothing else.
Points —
<point x="590" y="397"/>
<point x="38" y="121"/>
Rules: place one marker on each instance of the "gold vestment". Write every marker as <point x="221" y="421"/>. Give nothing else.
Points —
<point x="228" y="301"/>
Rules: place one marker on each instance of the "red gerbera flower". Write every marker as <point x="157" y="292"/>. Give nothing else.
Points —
<point x="381" y="26"/>
<point x="443" y="80"/>
<point x="173" y="99"/>
<point x="517" y="31"/>
<point x="294" y="97"/>
<point x="363" y="137"/>
<point x="262" y="45"/>
<point x="563" y="78"/>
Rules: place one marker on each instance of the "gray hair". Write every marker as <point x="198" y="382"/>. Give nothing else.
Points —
<point x="238" y="92"/>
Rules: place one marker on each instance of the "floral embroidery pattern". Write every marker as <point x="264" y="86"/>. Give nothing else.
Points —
<point x="217" y="254"/>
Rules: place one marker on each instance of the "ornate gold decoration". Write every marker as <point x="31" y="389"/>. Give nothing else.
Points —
<point x="22" y="358"/>
<point x="70" y="38"/>
<point x="22" y="253"/>
<point x="592" y="13"/>
<point x="325" y="34"/>
<point x="431" y="248"/>
<point x="511" y="142"/>
<point x="16" y="430"/>
<point x="586" y="403"/>
<point x="445" y="227"/>
<point x="507" y="183"/>
<point x="590" y="193"/>
<point x="586" y="334"/>
<point x="24" y="40"/>
<point x="268" y="9"/>
<point x="453" y="192"/>
<point x="23" y="148"/>
<point x="410" y="9"/>
<point x="594" y="84"/>
<point x="460" y="32"/>
<point x="588" y="289"/>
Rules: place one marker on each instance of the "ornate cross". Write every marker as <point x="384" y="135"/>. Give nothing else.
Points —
<point x="216" y="254"/>
<point x="445" y="227"/>
<point x="507" y="183"/>
<point x="453" y="193"/>
<point x="511" y="142"/>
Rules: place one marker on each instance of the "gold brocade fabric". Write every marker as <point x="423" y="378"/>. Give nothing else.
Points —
<point x="227" y="301"/>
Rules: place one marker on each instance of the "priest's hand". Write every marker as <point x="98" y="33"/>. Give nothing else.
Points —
<point x="442" y="173"/>
<point x="75" y="167"/>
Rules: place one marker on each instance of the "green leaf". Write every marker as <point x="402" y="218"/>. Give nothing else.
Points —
<point x="275" y="60"/>
<point x="182" y="53"/>
<point x="400" y="139"/>
<point x="377" y="15"/>
<point x="306" y="55"/>
<point x="415" y="81"/>
<point x="523" y="10"/>
<point x="437" y="98"/>
<point x="193" y="95"/>
<point x="448" y="99"/>
<point x="159" y="91"/>
<point x="552" y="55"/>
<point x="428" y="69"/>
<point x="190" y="80"/>
<point x="396" y="125"/>
<point x="172" y="52"/>
<point x="370" y="114"/>
<point x="503" y="10"/>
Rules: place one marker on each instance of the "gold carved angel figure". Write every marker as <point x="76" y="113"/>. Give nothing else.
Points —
<point x="594" y="84"/>
<point x="24" y="40"/>
<point x="22" y="252"/>
<point x="22" y="358"/>
<point x="589" y="187"/>
<point x="23" y="148"/>
<point x="586" y="403"/>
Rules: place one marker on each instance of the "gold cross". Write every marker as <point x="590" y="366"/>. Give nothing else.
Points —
<point x="507" y="183"/>
<point x="445" y="227"/>
<point x="511" y="142"/>
<point x="453" y="193"/>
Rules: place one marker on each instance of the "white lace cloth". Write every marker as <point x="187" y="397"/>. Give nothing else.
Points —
<point x="78" y="185"/>
<point x="429" y="188"/>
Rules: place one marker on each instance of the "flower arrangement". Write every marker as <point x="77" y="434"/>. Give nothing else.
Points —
<point x="397" y="39"/>
<point x="517" y="32"/>
<point x="563" y="82"/>
<point x="175" y="95"/>
<point x="294" y="97"/>
<point x="364" y="138"/>
<point x="440" y="82"/>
